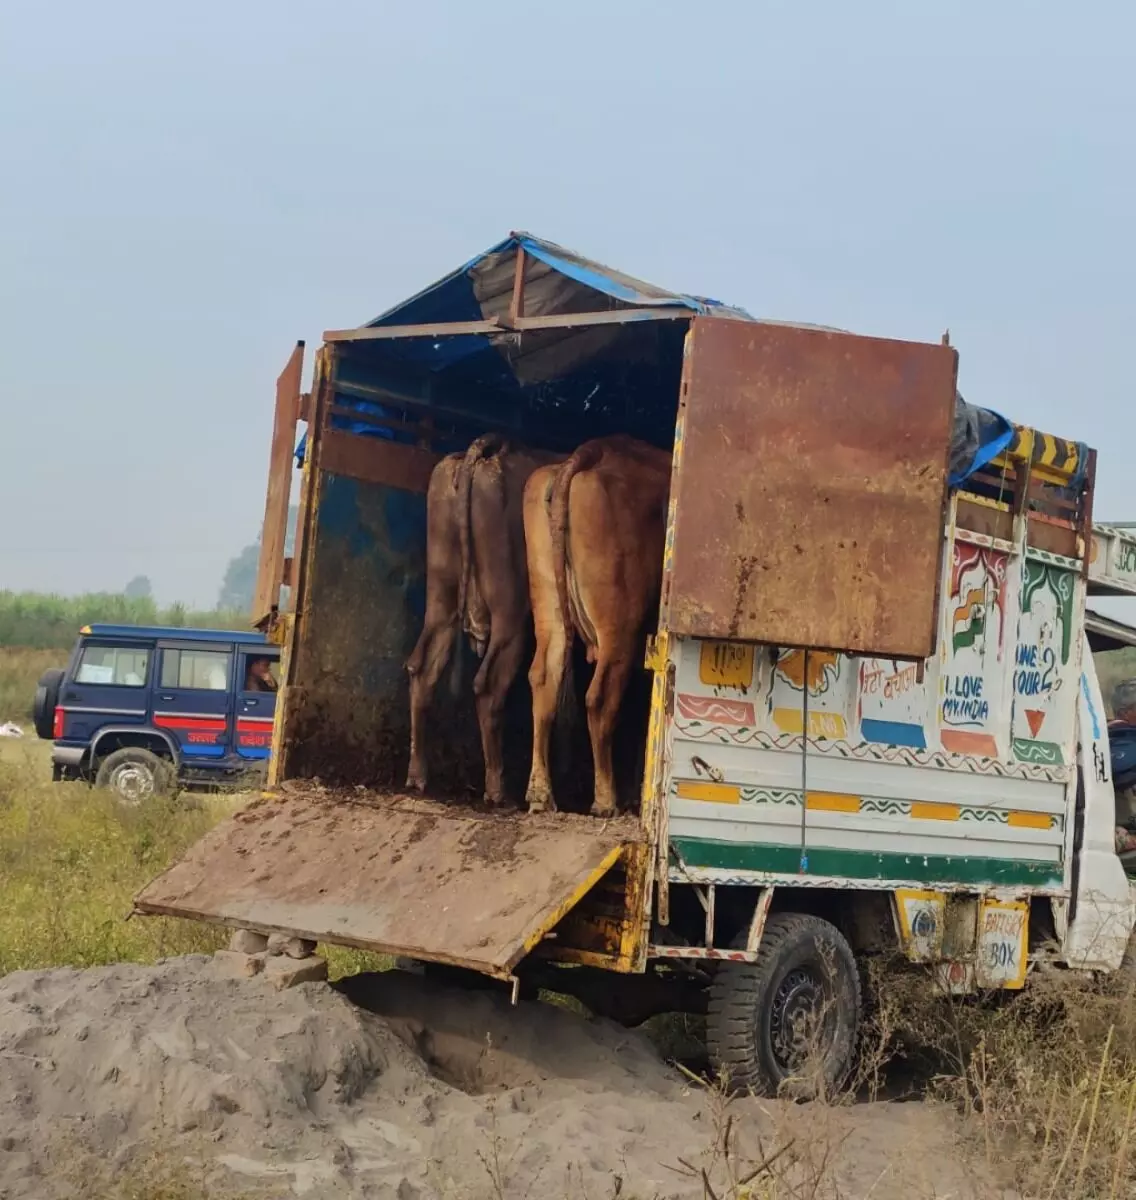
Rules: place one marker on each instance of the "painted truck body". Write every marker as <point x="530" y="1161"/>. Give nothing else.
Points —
<point x="874" y="714"/>
<point x="955" y="777"/>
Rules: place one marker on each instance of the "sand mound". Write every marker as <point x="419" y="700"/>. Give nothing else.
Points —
<point x="402" y="1090"/>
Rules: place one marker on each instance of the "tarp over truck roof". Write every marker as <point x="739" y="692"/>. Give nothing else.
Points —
<point x="560" y="280"/>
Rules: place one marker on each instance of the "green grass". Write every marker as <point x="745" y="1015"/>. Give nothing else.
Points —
<point x="44" y="621"/>
<point x="20" y="670"/>
<point x="72" y="858"/>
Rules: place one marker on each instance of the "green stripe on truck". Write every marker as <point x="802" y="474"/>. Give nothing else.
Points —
<point x="867" y="864"/>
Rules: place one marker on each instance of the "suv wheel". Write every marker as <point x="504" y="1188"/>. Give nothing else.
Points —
<point x="46" y="698"/>
<point x="134" y="775"/>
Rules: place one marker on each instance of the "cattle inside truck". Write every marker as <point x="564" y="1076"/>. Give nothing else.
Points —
<point x="870" y="721"/>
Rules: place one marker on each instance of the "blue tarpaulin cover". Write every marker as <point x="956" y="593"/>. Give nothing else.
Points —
<point x="558" y="280"/>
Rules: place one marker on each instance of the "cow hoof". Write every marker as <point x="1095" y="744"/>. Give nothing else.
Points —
<point x="542" y="804"/>
<point x="598" y="810"/>
<point x="415" y="783"/>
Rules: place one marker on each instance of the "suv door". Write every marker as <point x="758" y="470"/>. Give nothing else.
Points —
<point x="193" y="697"/>
<point x="256" y="707"/>
<point x="107" y="685"/>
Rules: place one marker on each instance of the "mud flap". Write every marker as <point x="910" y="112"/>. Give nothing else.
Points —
<point x="397" y="875"/>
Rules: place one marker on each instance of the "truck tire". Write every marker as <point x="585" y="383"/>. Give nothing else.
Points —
<point x="788" y="1022"/>
<point x="46" y="698"/>
<point x="135" y="774"/>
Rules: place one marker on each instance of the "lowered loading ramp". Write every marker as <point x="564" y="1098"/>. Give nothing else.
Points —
<point x="401" y="875"/>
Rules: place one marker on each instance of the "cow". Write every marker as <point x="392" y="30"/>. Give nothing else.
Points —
<point x="594" y="532"/>
<point x="476" y="583"/>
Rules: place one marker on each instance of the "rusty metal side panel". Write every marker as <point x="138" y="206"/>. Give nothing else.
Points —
<point x="395" y="874"/>
<point x="808" y="502"/>
<point x="270" y="569"/>
<point x="290" y="629"/>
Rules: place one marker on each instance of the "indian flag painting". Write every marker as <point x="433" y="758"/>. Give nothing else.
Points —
<point x="973" y="667"/>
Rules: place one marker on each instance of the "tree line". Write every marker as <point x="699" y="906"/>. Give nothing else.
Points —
<point x="41" y="621"/>
<point x="38" y="621"/>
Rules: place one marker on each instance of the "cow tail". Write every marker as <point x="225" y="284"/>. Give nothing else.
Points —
<point x="587" y="456"/>
<point x="483" y="447"/>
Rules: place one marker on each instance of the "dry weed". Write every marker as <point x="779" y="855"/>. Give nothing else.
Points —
<point x="1045" y="1079"/>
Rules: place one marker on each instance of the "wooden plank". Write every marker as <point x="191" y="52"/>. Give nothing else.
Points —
<point x="366" y="418"/>
<point x="393" y="873"/>
<point x="517" y="300"/>
<point x="615" y="316"/>
<point x="270" y="568"/>
<point x="1058" y="537"/>
<point x="980" y="518"/>
<point x="1086" y="515"/>
<point x="318" y="403"/>
<point x="464" y="421"/>
<point x="375" y="460"/>
<point x="384" y="333"/>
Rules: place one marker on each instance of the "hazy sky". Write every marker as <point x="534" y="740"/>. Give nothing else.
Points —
<point x="187" y="189"/>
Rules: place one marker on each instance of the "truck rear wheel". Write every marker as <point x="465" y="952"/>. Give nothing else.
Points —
<point x="787" y="1022"/>
<point x="135" y="774"/>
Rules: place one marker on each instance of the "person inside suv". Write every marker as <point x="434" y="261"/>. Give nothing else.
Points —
<point x="1122" y="743"/>
<point x="260" y="677"/>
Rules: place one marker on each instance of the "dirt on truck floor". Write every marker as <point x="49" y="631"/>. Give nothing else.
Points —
<point x="112" y="1076"/>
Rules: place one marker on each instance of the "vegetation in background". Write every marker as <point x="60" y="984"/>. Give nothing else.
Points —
<point x="19" y="672"/>
<point x="139" y="588"/>
<point x="39" y="621"/>
<point x="240" y="575"/>
<point x="72" y="859"/>
<point x="1112" y="667"/>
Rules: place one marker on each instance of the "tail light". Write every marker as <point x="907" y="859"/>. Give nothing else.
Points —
<point x="57" y="723"/>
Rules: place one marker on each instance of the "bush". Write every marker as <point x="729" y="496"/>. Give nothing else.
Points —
<point x="1045" y="1079"/>
<point x="20" y="670"/>
<point x="39" y="621"/>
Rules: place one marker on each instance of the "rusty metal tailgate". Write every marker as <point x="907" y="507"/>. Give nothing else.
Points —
<point x="404" y="876"/>
<point x="808" y="500"/>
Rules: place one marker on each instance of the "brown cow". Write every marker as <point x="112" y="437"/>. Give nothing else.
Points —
<point x="594" y="531"/>
<point x="476" y="582"/>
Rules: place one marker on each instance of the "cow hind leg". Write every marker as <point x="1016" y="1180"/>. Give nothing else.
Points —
<point x="499" y="668"/>
<point x="548" y="678"/>
<point x="606" y="691"/>
<point x="427" y="661"/>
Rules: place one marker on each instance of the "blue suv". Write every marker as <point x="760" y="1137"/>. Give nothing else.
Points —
<point x="147" y="709"/>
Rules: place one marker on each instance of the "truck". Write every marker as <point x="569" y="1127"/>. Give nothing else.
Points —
<point x="871" y="721"/>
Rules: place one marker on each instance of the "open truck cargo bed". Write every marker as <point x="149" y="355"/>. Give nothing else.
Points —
<point x="392" y="873"/>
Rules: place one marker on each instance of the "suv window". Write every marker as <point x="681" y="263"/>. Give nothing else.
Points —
<point x="123" y="666"/>
<point x="206" y="670"/>
<point x="252" y="668"/>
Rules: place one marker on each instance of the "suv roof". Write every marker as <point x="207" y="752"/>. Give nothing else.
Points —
<point x="239" y="637"/>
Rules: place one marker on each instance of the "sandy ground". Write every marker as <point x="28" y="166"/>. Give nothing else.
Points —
<point x="402" y="1090"/>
